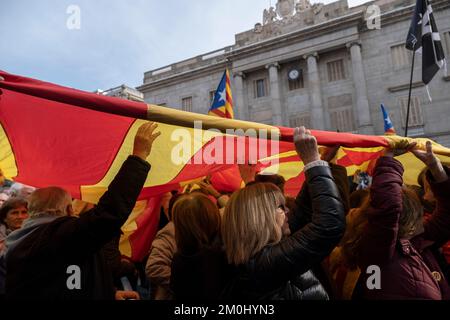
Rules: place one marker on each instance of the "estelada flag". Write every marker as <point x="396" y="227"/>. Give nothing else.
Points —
<point x="388" y="126"/>
<point x="222" y="105"/>
<point x="54" y="135"/>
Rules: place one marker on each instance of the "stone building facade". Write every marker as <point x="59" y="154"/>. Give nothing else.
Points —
<point x="123" y="91"/>
<point x="323" y="66"/>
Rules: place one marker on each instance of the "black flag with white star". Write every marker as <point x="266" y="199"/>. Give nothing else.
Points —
<point x="423" y="36"/>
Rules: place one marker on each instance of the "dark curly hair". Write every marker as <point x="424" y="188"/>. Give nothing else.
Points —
<point x="11" y="203"/>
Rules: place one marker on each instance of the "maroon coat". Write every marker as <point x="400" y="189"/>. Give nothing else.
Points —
<point x="408" y="267"/>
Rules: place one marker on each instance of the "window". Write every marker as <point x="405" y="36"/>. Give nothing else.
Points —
<point x="186" y="104"/>
<point x="341" y="114"/>
<point x="447" y="42"/>
<point x="296" y="84"/>
<point x="260" y="88"/>
<point x="302" y="119"/>
<point x="336" y="70"/>
<point x="415" y="111"/>
<point x="400" y="56"/>
<point x="342" y="119"/>
<point x="211" y="97"/>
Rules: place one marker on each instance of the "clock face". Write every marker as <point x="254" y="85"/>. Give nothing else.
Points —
<point x="293" y="74"/>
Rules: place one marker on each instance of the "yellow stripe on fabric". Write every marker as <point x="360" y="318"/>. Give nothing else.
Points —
<point x="163" y="168"/>
<point x="229" y="108"/>
<point x="129" y="227"/>
<point x="421" y="142"/>
<point x="292" y="169"/>
<point x="340" y="154"/>
<point x="371" y="150"/>
<point x="287" y="169"/>
<point x="7" y="159"/>
<point x="229" y="91"/>
<point x="186" y="119"/>
<point x="212" y="114"/>
<point x="414" y="166"/>
<point x="223" y="109"/>
<point x="279" y="156"/>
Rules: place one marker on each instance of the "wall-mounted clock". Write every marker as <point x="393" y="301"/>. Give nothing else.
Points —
<point x="294" y="74"/>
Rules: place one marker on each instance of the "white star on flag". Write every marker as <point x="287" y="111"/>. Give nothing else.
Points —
<point x="222" y="95"/>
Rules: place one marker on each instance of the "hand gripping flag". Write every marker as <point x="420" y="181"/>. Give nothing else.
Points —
<point x="388" y="126"/>
<point x="222" y="105"/>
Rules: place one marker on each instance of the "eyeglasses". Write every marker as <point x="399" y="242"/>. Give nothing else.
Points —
<point x="284" y="208"/>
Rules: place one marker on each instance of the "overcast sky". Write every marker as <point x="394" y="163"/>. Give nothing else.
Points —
<point x="118" y="40"/>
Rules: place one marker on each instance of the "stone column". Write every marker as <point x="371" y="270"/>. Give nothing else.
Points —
<point x="315" y="94"/>
<point x="277" y="114"/>
<point x="365" y="125"/>
<point x="241" y="107"/>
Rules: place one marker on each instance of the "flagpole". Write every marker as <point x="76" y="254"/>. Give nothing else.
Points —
<point x="409" y="94"/>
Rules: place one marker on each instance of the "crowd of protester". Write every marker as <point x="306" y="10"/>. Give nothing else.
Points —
<point x="254" y="244"/>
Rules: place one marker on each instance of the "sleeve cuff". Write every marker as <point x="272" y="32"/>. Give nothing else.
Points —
<point x="136" y="158"/>
<point x="316" y="163"/>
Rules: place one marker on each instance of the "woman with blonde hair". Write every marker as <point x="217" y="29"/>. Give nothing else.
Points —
<point x="263" y="263"/>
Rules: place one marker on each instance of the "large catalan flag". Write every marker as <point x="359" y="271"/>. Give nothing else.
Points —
<point x="54" y="135"/>
<point x="222" y="105"/>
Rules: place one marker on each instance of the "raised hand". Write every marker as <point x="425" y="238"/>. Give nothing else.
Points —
<point x="431" y="161"/>
<point x="401" y="147"/>
<point x="247" y="172"/>
<point x="427" y="157"/>
<point x="208" y="188"/>
<point x="144" y="139"/>
<point x="306" y="145"/>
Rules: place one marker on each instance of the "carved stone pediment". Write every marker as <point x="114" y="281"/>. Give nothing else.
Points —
<point x="258" y="28"/>
<point x="285" y="8"/>
<point x="269" y="16"/>
<point x="317" y="7"/>
<point x="302" y="5"/>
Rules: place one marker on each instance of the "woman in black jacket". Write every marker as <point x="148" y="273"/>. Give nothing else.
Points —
<point x="265" y="266"/>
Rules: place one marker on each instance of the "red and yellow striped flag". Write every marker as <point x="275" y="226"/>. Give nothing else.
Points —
<point x="222" y="105"/>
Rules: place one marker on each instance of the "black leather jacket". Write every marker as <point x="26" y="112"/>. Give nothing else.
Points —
<point x="276" y="271"/>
